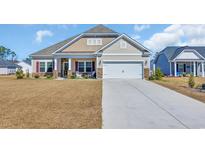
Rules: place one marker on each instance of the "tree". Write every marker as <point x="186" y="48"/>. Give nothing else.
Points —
<point x="6" y="53"/>
<point x="158" y="74"/>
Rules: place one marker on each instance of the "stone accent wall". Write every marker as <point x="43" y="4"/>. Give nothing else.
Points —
<point x="55" y="73"/>
<point x="69" y="74"/>
<point x="99" y="73"/>
<point x="146" y="73"/>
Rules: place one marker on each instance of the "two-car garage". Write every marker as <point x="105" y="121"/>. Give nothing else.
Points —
<point x="123" y="69"/>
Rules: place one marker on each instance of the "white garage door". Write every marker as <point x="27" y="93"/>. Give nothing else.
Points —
<point x="122" y="70"/>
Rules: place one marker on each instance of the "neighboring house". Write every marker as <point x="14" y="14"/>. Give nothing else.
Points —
<point x="99" y="50"/>
<point x="175" y="60"/>
<point x="8" y="67"/>
<point x="26" y="66"/>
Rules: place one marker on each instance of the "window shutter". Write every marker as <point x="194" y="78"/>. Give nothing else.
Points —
<point x="93" y="66"/>
<point x="76" y="66"/>
<point x="37" y="66"/>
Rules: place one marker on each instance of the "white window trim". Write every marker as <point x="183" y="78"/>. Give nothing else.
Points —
<point x="94" y="41"/>
<point x="46" y="61"/>
<point x="45" y="64"/>
<point x="84" y="61"/>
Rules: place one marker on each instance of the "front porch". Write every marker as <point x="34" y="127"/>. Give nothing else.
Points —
<point x="66" y="67"/>
<point x="178" y="68"/>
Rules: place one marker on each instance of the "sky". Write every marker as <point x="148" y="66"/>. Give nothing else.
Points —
<point x="26" y="39"/>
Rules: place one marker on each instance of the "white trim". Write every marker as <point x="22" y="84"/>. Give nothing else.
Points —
<point x="69" y="64"/>
<point x="84" y="61"/>
<point x="116" y="39"/>
<point x="55" y="64"/>
<point x="202" y="68"/>
<point x="194" y="65"/>
<point x="94" y="41"/>
<point x="79" y="36"/>
<point x="193" y="50"/>
<point x="122" y="54"/>
<point x="175" y="69"/>
<point x="123" y="60"/>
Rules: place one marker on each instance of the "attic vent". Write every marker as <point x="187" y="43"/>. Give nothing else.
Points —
<point x="123" y="44"/>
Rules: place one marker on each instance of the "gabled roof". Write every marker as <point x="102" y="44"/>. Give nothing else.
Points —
<point x="97" y="30"/>
<point x="124" y="36"/>
<point x="100" y="29"/>
<point x="172" y="52"/>
<point x="49" y="50"/>
<point x="8" y="64"/>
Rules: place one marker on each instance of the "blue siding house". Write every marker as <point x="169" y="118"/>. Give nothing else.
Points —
<point x="176" y="60"/>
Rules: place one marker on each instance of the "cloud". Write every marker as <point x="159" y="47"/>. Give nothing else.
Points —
<point x="177" y="35"/>
<point x="139" y="28"/>
<point x="41" y="34"/>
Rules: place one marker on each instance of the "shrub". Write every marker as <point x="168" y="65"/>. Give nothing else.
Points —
<point x="191" y="81"/>
<point x="184" y="74"/>
<point x="158" y="74"/>
<point x="152" y="77"/>
<point x="19" y="74"/>
<point x="36" y="76"/>
<point x="73" y="76"/>
<point x="85" y="76"/>
<point x="49" y="76"/>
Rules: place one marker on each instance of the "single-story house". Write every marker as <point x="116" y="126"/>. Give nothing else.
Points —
<point x="100" y="51"/>
<point x="8" y="67"/>
<point x="176" y="60"/>
<point x="26" y="66"/>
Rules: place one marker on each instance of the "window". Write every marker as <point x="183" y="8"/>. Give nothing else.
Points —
<point x="49" y="66"/>
<point x="85" y="66"/>
<point x="81" y="66"/>
<point x="42" y="67"/>
<point x="94" y="41"/>
<point x="123" y="44"/>
<point x="88" y="67"/>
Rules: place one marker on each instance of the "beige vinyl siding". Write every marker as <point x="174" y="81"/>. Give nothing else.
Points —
<point x="115" y="48"/>
<point x="81" y="45"/>
<point x="114" y="52"/>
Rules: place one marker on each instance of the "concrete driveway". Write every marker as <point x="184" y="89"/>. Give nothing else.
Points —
<point x="143" y="104"/>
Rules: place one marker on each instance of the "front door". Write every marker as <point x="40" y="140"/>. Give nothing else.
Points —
<point x="65" y="69"/>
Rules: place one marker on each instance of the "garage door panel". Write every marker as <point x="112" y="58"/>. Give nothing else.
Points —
<point x="122" y="70"/>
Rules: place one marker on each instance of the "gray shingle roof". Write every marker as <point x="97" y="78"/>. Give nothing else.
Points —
<point x="8" y="64"/>
<point x="49" y="50"/>
<point x="100" y="29"/>
<point x="199" y="49"/>
<point x="173" y="51"/>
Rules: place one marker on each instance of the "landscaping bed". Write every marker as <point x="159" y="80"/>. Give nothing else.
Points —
<point x="180" y="84"/>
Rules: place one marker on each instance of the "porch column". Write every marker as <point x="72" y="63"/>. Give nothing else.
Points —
<point x="69" y="64"/>
<point x="55" y="71"/>
<point x="194" y="65"/>
<point x="175" y="68"/>
<point x="202" y="67"/>
<point x="69" y="68"/>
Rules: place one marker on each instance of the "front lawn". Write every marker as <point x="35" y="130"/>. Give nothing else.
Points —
<point x="180" y="84"/>
<point x="41" y="103"/>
